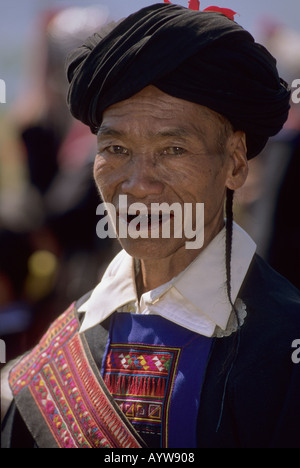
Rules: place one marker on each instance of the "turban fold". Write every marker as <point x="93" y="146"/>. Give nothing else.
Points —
<point x="202" y="57"/>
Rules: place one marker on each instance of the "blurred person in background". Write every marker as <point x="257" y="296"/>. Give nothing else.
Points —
<point x="268" y="202"/>
<point x="284" y="249"/>
<point x="16" y="315"/>
<point x="56" y="155"/>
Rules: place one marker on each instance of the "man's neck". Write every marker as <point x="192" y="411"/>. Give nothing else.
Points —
<point x="155" y="272"/>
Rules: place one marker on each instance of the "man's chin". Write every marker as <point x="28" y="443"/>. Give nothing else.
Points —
<point x="150" y="248"/>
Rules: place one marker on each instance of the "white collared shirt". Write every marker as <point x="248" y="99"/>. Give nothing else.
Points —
<point x="195" y="299"/>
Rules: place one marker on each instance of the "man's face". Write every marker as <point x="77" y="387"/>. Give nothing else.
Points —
<point x="155" y="148"/>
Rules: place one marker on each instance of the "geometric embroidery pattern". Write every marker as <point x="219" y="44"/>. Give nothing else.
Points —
<point x="141" y="378"/>
<point x="57" y="335"/>
<point x="67" y="393"/>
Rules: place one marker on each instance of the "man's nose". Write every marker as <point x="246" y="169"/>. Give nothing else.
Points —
<point x="143" y="179"/>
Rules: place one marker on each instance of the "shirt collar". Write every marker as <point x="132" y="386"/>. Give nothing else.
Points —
<point x="199" y="291"/>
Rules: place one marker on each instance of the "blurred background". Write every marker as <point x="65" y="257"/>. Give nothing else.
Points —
<point x="49" y="252"/>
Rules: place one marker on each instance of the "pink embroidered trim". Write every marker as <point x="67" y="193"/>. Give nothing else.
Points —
<point x="30" y="365"/>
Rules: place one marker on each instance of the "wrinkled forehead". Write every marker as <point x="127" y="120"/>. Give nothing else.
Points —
<point x="152" y="104"/>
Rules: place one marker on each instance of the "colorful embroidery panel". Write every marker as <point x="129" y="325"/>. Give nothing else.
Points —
<point x="68" y="394"/>
<point x="58" y="334"/>
<point x="155" y="368"/>
<point x="141" y="378"/>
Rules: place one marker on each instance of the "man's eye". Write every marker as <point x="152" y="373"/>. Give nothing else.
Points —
<point x="173" y="151"/>
<point x="117" y="149"/>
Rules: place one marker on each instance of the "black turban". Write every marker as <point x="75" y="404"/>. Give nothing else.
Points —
<point x="202" y="57"/>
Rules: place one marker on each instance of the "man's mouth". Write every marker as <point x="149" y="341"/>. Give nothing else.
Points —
<point x="146" y="221"/>
<point x="155" y="221"/>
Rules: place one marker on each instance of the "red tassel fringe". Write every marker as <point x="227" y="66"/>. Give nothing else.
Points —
<point x="135" y="385"/>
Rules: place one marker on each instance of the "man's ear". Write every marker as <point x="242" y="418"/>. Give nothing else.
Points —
<point x="238" y="164"/>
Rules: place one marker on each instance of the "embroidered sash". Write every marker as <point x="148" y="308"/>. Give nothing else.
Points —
<point x="62" y="397"/>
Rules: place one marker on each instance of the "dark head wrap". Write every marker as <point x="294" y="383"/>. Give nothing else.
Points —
<point x="202" y="57"/>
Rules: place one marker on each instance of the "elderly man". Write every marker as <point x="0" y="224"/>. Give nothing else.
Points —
<point x="176" y="347"/>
